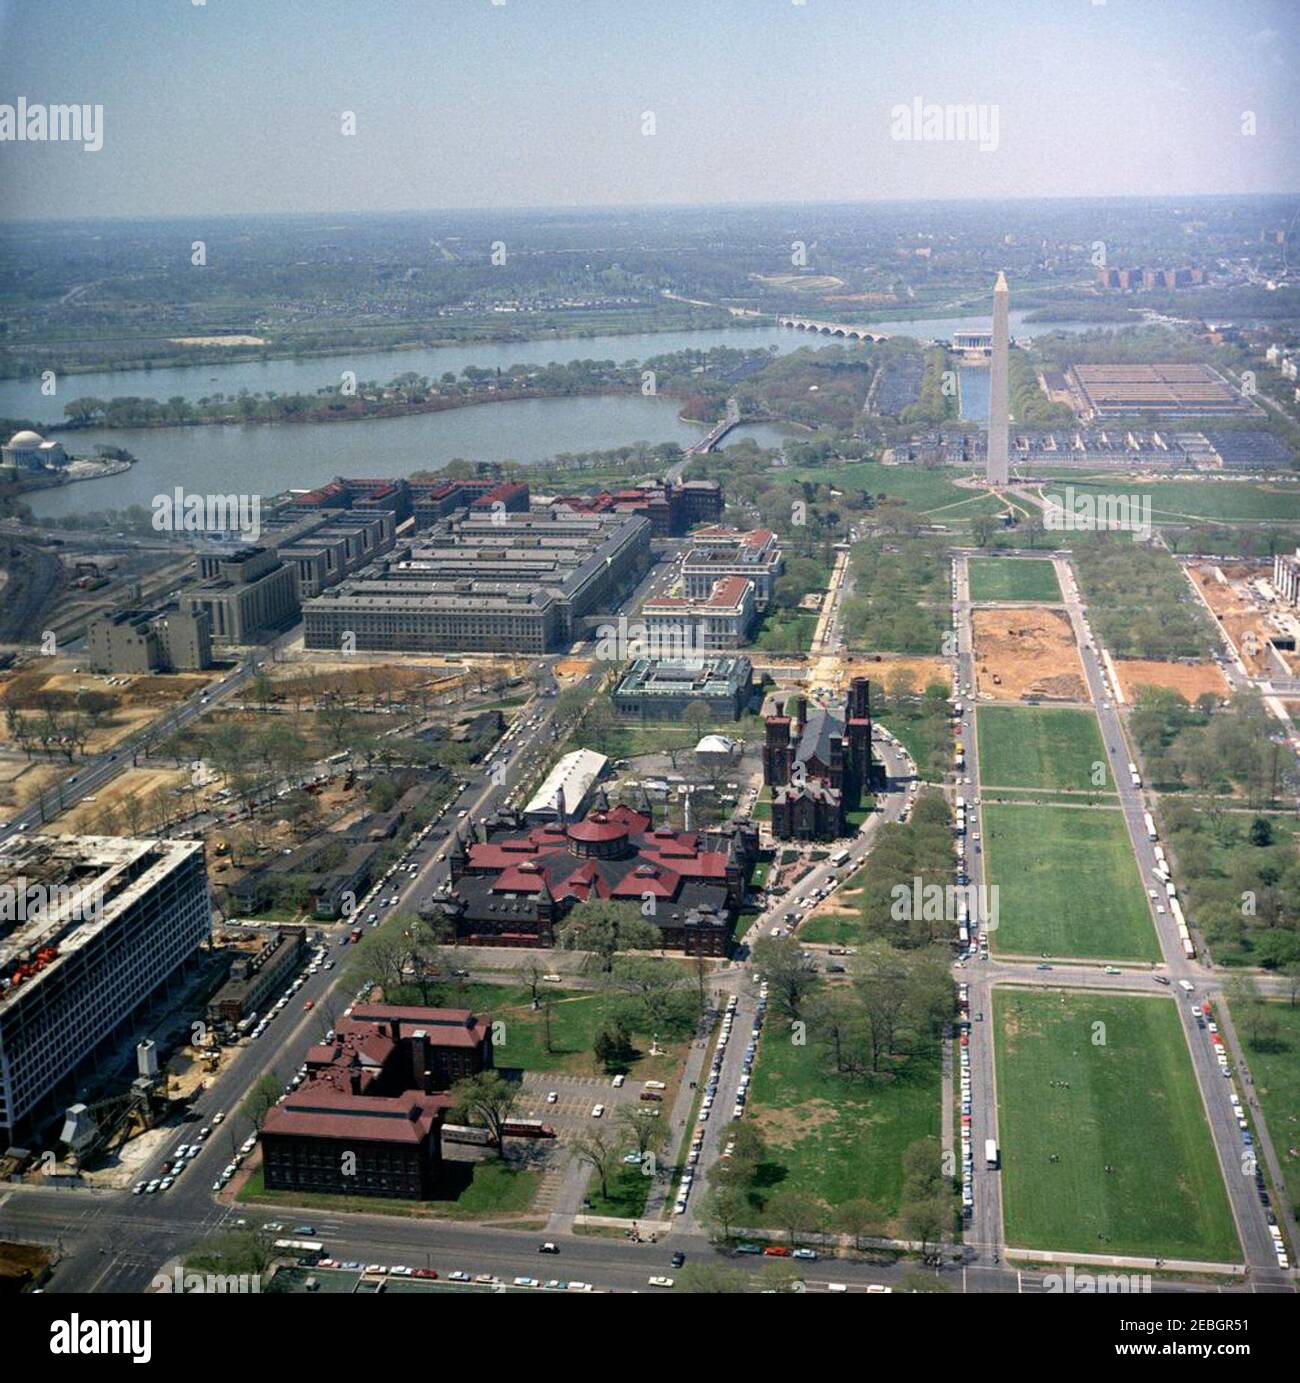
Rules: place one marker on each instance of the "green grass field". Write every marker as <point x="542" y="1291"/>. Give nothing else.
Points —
<point x="1225" y="500"/>
<point x="575" y="1018"/>
<point x="1013" y="578"/>
<point x="1067" y="882"/>
<point x="832" y="1138"/>
<point x="1040" y="747"/>
<point x="1275" y="1065"/>
<point x="1122" y="1095"/>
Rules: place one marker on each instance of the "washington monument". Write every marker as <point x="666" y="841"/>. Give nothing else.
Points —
<point x="998" y="466"/>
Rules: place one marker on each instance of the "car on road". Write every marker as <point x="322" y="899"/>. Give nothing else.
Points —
<point x="1161" y="979"/>
<point x="776" y="1251"/>
<point x="548" y="1247"/>
<point x="661" y="1281"/>
<point x="1111" y="970"/>
<point x="677" y="1259"/>
<point x="138" y="1188"/>
<point x="808" y="1254"/>
<point x="458" y="1276"/>
<point x="1043" y="966"/>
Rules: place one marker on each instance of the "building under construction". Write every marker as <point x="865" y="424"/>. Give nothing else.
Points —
<point x="92" y="930"/>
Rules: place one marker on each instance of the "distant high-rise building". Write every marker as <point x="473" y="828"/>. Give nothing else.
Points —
<point x="999" y="408"/>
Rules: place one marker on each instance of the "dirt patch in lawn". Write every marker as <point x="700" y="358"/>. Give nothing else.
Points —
<point x="1027" y="653"/>
<point x="1188" y="679"/>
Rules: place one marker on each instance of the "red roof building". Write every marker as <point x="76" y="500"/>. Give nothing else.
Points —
<point x="367" y="1119"/>
<point x="515" y="887"/>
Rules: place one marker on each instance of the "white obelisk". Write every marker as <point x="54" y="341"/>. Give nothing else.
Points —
<point x="998" y="464"/>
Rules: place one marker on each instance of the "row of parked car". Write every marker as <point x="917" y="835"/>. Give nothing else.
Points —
<point x="967" y="1145"/>
<point x="1205" y="1019"/>
<point x="553" y="1284"/>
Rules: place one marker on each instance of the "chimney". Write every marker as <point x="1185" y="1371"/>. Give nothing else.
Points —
<point x="420" y="1061"/>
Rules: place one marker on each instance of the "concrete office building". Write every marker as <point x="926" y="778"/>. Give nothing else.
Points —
<point x="488" y="581"/>
<point x="145" y="641"/>
<point x="1286" y="577"/>
<point x="999" y="465"/>
<point x="325" y="545"/>
<point x="94" y="928"/>
<point x="688" y="627"/>
<point x="725" y="551"/>
<point x="247" y="593"/>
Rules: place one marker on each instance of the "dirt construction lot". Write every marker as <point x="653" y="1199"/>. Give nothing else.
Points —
<point x="1223" y="587"/>
<point x="1026" y="653"/>
<point x="1188" y="679"/>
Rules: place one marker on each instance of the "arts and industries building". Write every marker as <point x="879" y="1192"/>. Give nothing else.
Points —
<point x="116" y="921"/>
<point x="367" y="1120"/>
<point x="518" y="884"/>
<point x="662" y="688"/>
<point x="818" y="764"/>
<point x="143" y="641"/>
<point x="497" y="581"/>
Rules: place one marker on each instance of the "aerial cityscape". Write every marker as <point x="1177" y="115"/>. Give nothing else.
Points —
<point x="649" y="650"/>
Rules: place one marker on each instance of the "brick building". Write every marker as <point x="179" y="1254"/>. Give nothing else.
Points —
<point x="819" y="766"/>
<point x="367" y="1120"/>
<point x="517" y="886"/>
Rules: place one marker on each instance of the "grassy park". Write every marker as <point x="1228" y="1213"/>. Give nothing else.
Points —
<point x="1001" y="578"/>
<point x="1067" y="884"/>
<point x="1040" y="747"/>
<point x="1088" y="1082"/>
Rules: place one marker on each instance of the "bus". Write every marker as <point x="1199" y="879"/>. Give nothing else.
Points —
<point x="1150" y="823"/>
<point x="991" y="1153"/>
<point x="305" y="1248"/>
<point x="840" y="857"/>
<point x="466" y="1133"/>
<point x="527" y="1128"/>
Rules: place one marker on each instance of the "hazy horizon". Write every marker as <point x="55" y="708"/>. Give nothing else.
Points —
<point x="237" y="108"/>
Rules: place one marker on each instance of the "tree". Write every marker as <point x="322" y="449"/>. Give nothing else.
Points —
<point x="598" y="1150"/>
<point x="860" y="1219"/>
<point x="606" y="928"/>
<point x="641" y="1125"/>
<point x="1261" y="831"/>
<point x="491" y="1098"/>
<point x="722" y="1208"/>
<point x="613" y="1044"/>
<point x="699" y="717"/>
<point x="796" y="1213"/>
<point x="260" y="1100"/>
<point x="927" y="1222"/>
<point x="791" y="977"/>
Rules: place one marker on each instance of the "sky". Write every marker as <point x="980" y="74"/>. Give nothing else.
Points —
<point x="238" y="106"/>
